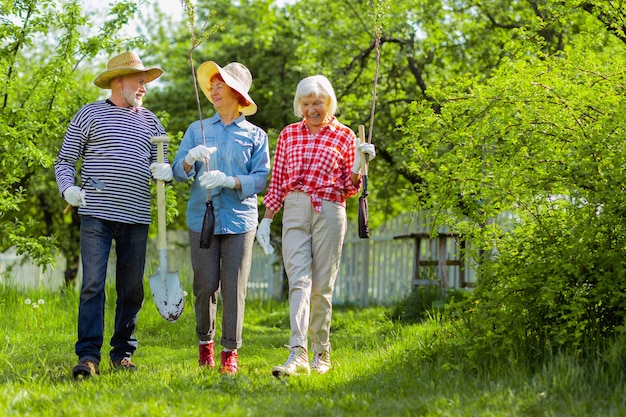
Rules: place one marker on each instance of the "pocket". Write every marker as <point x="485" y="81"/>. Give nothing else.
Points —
<point x="240" y="152"/>
<point x="291" y="200"/>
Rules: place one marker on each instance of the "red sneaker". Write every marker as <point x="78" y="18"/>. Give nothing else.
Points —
<point x="229" y="363"/>
<point x="206" y="355"/>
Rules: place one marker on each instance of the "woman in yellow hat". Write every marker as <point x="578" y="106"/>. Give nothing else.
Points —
<point x="227" y="157"/>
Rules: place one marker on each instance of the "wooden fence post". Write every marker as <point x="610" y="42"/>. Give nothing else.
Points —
<point x="365" y="271"/>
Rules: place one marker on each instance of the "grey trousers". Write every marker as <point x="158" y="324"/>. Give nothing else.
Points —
<point x="223" y="269"/>
<point x="312" y="244"/>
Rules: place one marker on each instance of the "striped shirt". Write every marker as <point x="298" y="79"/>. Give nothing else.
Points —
<point x="114" y="144"/>
<point x="319" y="165"/>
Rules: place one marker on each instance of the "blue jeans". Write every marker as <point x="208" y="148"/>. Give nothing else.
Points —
<point x="96" y="238"/>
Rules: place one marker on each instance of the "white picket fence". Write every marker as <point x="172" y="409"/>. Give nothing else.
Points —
<point x="375" y="271"/>
<point x="385" y="267"/>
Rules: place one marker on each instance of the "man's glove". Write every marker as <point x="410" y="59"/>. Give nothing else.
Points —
<point x="161" y="171"/>
<point x="263" y="236"/>
<point x="199" y="153"/>
<point x="360" y="150"/>
<point x="214" y="178"/>
<point x="75" y="196"/>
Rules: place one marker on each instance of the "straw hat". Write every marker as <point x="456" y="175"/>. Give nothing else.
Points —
<point x="235" y="75"/>
<point x="125" y="64"/>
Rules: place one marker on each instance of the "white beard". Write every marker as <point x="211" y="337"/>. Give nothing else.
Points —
<point x="131" y="98"/>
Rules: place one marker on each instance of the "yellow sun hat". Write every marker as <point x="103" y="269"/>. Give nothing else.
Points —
<point x="235" y="75"/>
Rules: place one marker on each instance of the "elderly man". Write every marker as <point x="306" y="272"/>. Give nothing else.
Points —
<point x="112" y="138"/>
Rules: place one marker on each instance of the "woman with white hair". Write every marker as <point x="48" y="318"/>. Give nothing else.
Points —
<point x="316" y="167"/>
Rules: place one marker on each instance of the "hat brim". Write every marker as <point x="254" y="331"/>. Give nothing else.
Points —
<point x="104" y="80"/>
<point x="208" y="69"/>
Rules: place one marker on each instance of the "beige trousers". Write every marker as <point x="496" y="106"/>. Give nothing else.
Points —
<point x="312" y="244"/>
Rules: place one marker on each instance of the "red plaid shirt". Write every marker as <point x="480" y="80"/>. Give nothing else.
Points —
<point x="318" y="165"/>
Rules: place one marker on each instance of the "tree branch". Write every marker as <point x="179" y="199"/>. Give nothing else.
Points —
<point x="612" y="24"/>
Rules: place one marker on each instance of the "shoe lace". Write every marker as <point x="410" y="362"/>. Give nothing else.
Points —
<point x="293" y="356"/>
<point x="126" y="363"/>
<point x="206" y="357"/>
<point x="206" y="350"/>
<point x="230" y="359"/>
<point x="319" y="359"/>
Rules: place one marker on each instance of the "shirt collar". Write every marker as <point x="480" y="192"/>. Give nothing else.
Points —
<point x="332" y="125"/>
<point x="216" y="119"/>
<point x="110" y="103"/>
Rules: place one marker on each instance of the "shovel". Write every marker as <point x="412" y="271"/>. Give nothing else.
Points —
<point x="165" y="286"/>
<point x="96" y="183"/>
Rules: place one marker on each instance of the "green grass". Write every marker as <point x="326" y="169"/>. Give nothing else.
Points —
<point x="380" y="368"/>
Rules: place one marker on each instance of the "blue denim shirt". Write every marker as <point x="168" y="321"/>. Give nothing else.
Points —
<point x="242" y="151"/>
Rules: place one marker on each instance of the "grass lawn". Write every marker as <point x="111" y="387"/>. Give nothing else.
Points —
<point x="380" y="368"/>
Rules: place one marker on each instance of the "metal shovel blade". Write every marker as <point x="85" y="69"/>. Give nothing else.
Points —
<point x="97" y="184"/>
<point x="167" y="291"/>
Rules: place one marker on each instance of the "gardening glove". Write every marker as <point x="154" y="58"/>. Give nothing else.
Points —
<point x="263" y="236"/>
<point x="75" y="196"/>
<point x="360" y="150"/>
<point x="161" y="171"/>
<point x="214" y="178"/>
<point x="199" y="153"/>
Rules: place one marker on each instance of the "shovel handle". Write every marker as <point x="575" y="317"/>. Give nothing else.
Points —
<point x="362" y="138"/>
<point x="160" y="191"/>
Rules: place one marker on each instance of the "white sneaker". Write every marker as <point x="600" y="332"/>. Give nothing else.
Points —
<point x="321" y="362"/>
<point x="298" y="363"/>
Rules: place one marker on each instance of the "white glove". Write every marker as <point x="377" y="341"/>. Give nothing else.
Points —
<point x="214" y="178"/>
<point x="75" y="196"/>
<point x="360" y="150"/>
<point x="263" y="236"/>
<point x="199" y="153"/>
<point x="161" y="171"/>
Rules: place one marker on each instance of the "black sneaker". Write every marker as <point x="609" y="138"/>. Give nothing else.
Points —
<point x="85" y="369"/>
<point x="124" y="364"/>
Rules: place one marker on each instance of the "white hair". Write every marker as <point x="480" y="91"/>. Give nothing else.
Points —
<point x="318" y="86"/>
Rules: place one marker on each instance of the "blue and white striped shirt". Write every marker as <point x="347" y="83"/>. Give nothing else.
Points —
<point x="114" y="144"/>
